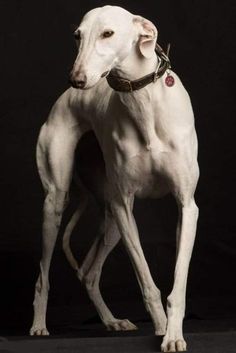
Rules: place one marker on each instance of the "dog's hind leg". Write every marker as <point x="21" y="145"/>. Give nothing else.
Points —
<point x="55" y="158"/>
<point x="91" y="269"/>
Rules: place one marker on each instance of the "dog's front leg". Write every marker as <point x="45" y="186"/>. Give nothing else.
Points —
<point x="122" y="211"/>
<point x="188" y="214"/>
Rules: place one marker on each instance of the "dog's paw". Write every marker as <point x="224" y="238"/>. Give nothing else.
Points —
<point x="173" y="345"/>
<point x="39" y="331"/>
<point x="121" y="325"/>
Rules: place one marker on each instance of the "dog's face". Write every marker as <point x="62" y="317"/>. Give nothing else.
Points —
<point x="105" y="37"/>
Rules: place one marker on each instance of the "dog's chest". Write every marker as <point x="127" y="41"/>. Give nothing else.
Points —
<point x="143" y="174"/>
<point x="135" y="149"/>
<point x="136" y="168"/>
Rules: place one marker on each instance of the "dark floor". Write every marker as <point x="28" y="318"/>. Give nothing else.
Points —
<point x="203" y="336"/>
<point x="223" y="342"/>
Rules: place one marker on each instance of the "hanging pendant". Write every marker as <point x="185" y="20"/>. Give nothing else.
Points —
<point x="169" y="81"/>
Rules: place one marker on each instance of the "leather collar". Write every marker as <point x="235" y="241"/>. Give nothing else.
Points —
<point x="124" y="85"/>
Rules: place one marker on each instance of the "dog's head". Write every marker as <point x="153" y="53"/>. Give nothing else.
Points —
<point x="105" y="37"/>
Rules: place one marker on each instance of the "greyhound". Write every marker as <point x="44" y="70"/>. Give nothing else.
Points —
<point x="143" y="120"/>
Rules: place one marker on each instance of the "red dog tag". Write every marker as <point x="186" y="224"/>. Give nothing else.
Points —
<point x="170" y="81"/>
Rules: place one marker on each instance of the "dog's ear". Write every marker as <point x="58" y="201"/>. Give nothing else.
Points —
<point x="147" y="36"/>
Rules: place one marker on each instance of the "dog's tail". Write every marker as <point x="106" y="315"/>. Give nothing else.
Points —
<point x="71" y="225"/>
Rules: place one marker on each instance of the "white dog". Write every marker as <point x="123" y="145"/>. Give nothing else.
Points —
<point x="142" y="117"/>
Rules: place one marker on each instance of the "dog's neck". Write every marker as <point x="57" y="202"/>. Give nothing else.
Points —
<point x="135" y="66"/>
<point x="137" y="103"/>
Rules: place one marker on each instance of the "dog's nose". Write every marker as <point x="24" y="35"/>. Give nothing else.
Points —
<point x="77" y="80"/>
<point x="80" y="83"/>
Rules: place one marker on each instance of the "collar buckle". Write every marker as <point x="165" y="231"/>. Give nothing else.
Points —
<point x="127" y="83"/>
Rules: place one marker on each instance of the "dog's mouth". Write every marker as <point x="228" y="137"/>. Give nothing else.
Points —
<point x="76" y="85"/>
<point x="105" y="73"/>
<point x="82" y="85"/>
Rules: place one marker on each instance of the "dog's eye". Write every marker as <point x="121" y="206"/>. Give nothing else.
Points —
<point x="107" y="34"/>
<point x="77" y="35"/>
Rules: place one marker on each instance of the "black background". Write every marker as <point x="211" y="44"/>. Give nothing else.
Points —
<point x="36" y="52"/>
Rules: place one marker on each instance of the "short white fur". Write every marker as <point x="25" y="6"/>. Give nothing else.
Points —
<point x="149" y="144"/>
